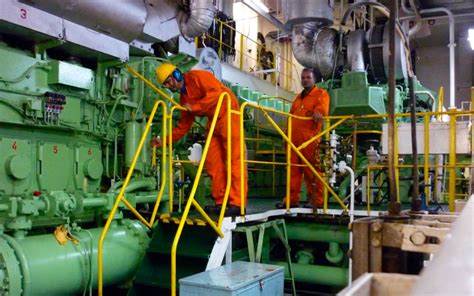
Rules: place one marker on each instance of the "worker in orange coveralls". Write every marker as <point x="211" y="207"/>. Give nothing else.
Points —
<point x="312" y="102"/>
<point x="200" y="92"/>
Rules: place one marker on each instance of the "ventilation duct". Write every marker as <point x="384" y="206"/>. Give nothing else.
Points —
<point x="355" y="50"/>
<point x="196" y="17"/>
<point x="313" y="45"/>
<point x="123" y="20"/>
<point x="305" y="11"/>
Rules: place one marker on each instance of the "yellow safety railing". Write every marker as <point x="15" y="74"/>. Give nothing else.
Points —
<point x="120" y="198"/>
<point x="289" y="83"/>
<point x="192" y="201"/>
<point x="290" y="146"/>
<point x="451" y="166"/>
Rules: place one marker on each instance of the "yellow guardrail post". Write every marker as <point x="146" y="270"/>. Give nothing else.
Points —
<point x="120" y="197"/>
<point x="150" y="84"/>
<point x="191" y="200"/>
<point x="452" y="159"/>
<point x="426" y="169"/>
<point x="229" y="160"/>
<point x="300" y="155"/>
<point x="170" y="164"/>
<point x="288" y="159"/>
<point x="326" y="176"/>
<point x="242" y="159"/>
<point x="397" y="173"/>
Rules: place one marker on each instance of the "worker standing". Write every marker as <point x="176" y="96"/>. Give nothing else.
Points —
<point x="200" y="92"/>
<point x="312" y="102"/>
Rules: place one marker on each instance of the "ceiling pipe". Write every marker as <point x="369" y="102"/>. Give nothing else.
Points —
<point x="302" y="43"/>
<point x="451" y="45"/>
<point x="196" y="17"/>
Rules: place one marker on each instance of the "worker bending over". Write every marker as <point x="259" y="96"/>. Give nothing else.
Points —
<point x="200" y="92"/>
<point x="312" y="102"/>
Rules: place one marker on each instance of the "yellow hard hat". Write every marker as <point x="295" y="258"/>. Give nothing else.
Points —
<point x="163" y="71"/>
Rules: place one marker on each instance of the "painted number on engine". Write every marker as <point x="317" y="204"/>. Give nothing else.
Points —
<point x="14" y="147"/>
<point x="55" y="149"/>
<point x="23" y="13"/>
<point x="89" y="152"/>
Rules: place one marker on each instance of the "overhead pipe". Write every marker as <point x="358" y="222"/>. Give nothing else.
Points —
<point x="196" y="17"/>
<point x="451" y="45"/>
<point x="302" y="43"/>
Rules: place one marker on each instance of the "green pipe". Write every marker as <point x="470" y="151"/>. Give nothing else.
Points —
<point x="147" y="184"/>
<point x="310" y="232"/>
<point x="48" y="268"/>
<point x="316" y="274"/>
<point x="334" y="254"/>
<point x="133" y="131"/>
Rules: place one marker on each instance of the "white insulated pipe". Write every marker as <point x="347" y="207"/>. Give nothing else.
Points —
<point x="451" y="45"/>
<point x="342" y="168"/>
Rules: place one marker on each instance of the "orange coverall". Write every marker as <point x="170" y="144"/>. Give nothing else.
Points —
<point x="201" y="93"/>
<point x="316" y="101"/>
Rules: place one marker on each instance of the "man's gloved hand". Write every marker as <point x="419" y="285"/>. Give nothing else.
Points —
<point x="317" y="117"/>
<point x="156" y="142"/>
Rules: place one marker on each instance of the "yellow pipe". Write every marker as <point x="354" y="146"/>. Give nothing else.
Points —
<point x="153" y="157"/>
<point x="288" y="161"/>
<point x="242" y="158"/>
<point x="368" y="132"/>
<point x="427" y="159"/>
<point x="440" y="102"/>
<point x="273" y="163"/>
<point x="170" y="165"/>
<point x="324" y="132"/>
<point x="274" y="173"/>
<point x="120" y="196"/>
<point x="150" y="84"/>
<point x="229" y="161"/>
<point x="452" y="161"/>
<point x="179" y="231"/>
<point x="163" y="170"/>
<point x="325" y="191"/>
<point x="336" y="197"/>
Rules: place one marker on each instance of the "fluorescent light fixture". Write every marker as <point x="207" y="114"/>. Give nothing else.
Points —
<point x="260" y="5"/>
<point x="471" y="37"/>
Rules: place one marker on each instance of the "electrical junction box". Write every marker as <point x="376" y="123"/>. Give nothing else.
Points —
<point x="238" y="278"/>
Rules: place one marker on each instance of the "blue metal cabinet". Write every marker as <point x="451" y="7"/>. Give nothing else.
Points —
<point x="237" y="278"/>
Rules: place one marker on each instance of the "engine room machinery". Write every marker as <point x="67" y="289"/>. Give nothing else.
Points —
<point x="72" y="115"/>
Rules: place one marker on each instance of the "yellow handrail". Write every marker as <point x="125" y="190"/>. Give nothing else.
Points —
<point x="150" y="84"/>
<point x="191" y="200"/>
<point x="289" y="143"/>
<point x="120" y="197"/>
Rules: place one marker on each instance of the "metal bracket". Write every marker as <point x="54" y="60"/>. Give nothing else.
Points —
<point x="422" y="239"/>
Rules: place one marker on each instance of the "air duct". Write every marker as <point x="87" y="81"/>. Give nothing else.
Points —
<point x="302" y="43"/>
<point x="355" y="50"/>
<point x="196" y="17"/>
<point x="123" y="20"/>
<point x="313" y="45"/>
